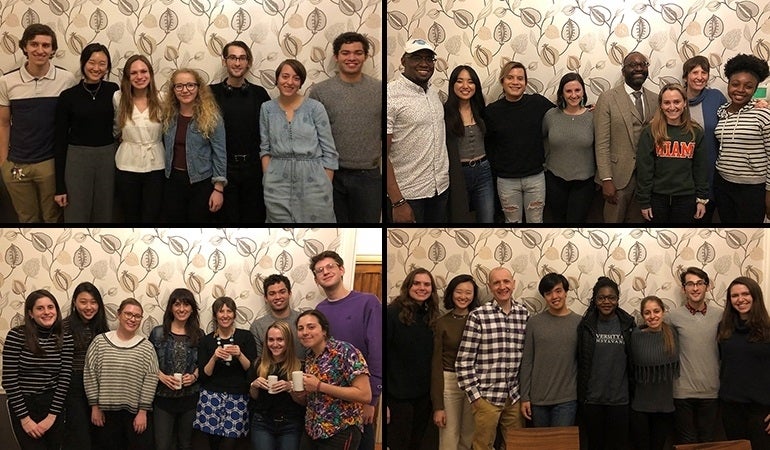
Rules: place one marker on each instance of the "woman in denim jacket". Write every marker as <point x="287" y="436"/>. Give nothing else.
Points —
<point x="176" y="343"/>
<point x="194" y="141"/>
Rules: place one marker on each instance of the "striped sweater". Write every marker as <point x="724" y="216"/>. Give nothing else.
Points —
<point x="744" y="144"/>
<point x="120" y="376"/>
<point x="25" y="373"/>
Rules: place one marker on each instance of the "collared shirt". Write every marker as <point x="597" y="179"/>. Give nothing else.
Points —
<point x="415" y="119"/>
<point x="339" y="364"/>
<point x="490" y="353"/>
<point x="693" y="310"/>
<point x="630" y="91"/>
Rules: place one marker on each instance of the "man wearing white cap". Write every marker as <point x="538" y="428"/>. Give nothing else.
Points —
<point x="417" y="163"/>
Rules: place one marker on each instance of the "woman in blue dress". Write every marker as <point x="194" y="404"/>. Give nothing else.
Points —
<point x="297" y="151"/>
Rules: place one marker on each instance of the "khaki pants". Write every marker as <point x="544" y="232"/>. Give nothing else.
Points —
<point x="627" y="209"/>
<point x="486" y="416"/>
<point x="458" y="433"/>
<point x="32" y="195"/>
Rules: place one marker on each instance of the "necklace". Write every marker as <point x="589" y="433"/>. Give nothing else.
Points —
<point x="95" y="91"/>
<point x="459" y="316"/>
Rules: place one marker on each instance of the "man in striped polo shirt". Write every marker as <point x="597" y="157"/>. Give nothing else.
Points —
<point x="28" y="97"/>
<point x="489" y="358"/>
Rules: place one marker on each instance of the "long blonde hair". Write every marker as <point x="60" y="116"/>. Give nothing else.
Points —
<point x="659" y="125"/>
<point x="205" y="109"/>
<point x="126" y="106"/>
<point x="290" y="363"/>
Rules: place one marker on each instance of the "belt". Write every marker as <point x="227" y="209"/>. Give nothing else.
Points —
<point x="239" y="158"/>
<point x="474" y="162"/>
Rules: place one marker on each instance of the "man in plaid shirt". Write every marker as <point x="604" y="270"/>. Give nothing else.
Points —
<point x="489" y="358"/>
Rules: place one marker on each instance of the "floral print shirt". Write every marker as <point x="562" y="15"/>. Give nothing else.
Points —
<point x="338" y="364"/>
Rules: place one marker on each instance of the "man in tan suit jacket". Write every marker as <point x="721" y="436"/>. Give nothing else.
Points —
<point x="617" y="126"/>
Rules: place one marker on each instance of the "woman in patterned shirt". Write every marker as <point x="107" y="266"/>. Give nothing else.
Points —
<point x="336" y="383"/>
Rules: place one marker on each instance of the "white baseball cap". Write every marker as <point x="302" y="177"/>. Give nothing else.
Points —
<point x="415" y="45"/>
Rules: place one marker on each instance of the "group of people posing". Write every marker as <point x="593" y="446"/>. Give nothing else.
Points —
<point x="676" y="156"/>
<point x="483" y="366"/>
<point x="190" y="152"/>
<point x="287" y="383"/>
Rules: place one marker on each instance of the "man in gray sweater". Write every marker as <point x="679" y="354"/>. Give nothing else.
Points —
<point x="697" y="388"/>
<point x="353" y="101"/>
<point x="548" y="376"/>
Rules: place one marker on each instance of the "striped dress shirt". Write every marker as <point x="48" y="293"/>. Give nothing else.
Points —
<point x="490" y="353"/>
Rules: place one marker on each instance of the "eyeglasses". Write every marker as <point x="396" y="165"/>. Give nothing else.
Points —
<point x="637" y="65"/>
<point x="691" y="284"/>
<point x="322" y="269"/>
<point x="233" y="58"/>
<point x="179" y="87"/>
<point x="607" y="298"/>
<point x="422" y="58"/>
<point x="130" y="316"/>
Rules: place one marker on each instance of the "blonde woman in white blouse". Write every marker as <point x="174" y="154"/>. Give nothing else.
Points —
<point x="139" y="159"/>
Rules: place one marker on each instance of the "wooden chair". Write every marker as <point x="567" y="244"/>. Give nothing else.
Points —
<point x="545" y="438"/>
<point x="741" y="444"/>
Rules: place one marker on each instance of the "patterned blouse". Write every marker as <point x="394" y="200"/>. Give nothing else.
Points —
<point x="338" y="364"/>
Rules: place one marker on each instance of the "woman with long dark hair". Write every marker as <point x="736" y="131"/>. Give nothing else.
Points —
<point x="604" y="346"/>
<point x="176" y="343"/>
<point x="87" y="318"/>
<point x="744" y="347"/>
<point x="469" y="170"/>
<point x="37" y="364"/>
<point x="568" y="137"/>
<point x="655" y="361"/>
<point x="85" y="147"/>
<point x="409" y="343"/>
<point x="452" y="411"/>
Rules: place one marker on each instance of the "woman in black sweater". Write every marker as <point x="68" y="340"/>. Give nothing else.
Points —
<point x="744" y="347"/>
<point x="85" y="147"/>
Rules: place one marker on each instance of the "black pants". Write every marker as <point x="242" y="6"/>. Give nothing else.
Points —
<point x="244" y="198"/>
<point x="79" y="432"/>
<point x="603" y="427"/>
<point x="695" y="420"/>
<point x="649" y="431"/>
<point x="184" y="202"/>
<point x="672" y="208"/>
<point x="140" y="195"/>
<point x="739" y="203"/>
<point x="118" y="432"/>
<point x="347" y="439"/>
<point x="568" y="201"/>
<point x="408" y="421"/>
<point x="38" y="406"/>
<point x="746" y="421"/>
<point x="357" y="195"/>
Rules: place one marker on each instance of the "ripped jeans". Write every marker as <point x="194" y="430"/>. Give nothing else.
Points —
<point x="517" y="192"/>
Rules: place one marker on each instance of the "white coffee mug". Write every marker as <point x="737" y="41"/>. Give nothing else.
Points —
<point x="271" y="380"/>
<point x="296" y="381"/>
<point x="178" y="377"/>
<point x="229" y="356"/>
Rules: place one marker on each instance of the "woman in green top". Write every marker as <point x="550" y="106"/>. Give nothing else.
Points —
<point x="452" y="412"/>
<point x="671" y="164"/>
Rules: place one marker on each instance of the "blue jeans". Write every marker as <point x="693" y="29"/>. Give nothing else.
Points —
<point x="173" y="427"/>
<point x="481" y="193"/>
<point x="432" y="209"/>
<point x="275" y="433"/>
<point x="357" y="195"/>
<point x="672" y="208"/>
<point x="559" y="415"/>
<point x="520" y="194"/>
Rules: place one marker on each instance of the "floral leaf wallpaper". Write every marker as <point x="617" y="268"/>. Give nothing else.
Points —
<point x="192" y="33"/>
<point x="590" y="37"/>
<point x="149" y="263"/>
<point x="643" y="261"/>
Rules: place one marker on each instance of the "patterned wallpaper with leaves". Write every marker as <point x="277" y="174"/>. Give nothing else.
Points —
<point x="191" y="33"/>
<point x="148" y="264"/>
<point x="590" y="37"/>
<point x="643" y="261"/>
